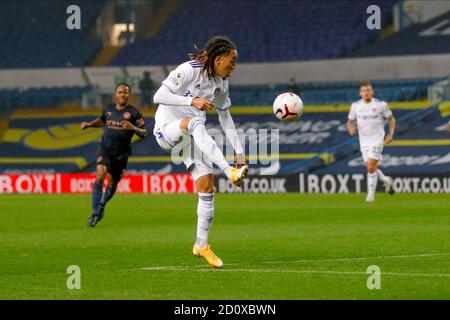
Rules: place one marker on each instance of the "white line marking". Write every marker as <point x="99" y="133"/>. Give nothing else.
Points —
<point x="400" y="274"/>
<point x="308" y="260"/>
<point x="359" y="258"/>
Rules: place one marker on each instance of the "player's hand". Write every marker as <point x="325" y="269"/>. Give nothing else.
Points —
<point x="84" y="125"/>
<point x="202" y="104"/>
<point x="352" y="131"/>
<point x="388" y="139"/>
<point x="126" y="125"/>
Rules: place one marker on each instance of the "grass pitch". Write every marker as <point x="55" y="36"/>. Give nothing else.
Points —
<point x="287" y="246"/>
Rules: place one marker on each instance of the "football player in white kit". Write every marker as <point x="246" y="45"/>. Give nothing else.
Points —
<point x="190" y="90"/>
<point x="370" y="115"/>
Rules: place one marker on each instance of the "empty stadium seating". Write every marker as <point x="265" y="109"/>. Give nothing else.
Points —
<point x="34" y="34"/>
<point x="333" y="92"/>
<point x="411" y="41"/>
<point x="40" y="97"/>
<point x="279" y="31"/>
<point x="248" y="95"/>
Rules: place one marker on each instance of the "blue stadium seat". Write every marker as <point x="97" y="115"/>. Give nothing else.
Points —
<point x="34" y="34"/>
<point x="295" y="30"/>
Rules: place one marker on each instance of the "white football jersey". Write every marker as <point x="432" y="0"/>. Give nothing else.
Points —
<point x="370" y="118"/>
<point x="188" y="80"/>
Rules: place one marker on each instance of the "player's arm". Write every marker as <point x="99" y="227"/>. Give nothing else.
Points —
<point x="164" y="95"/>
<point x="141" y="132"/>
<point x="222" y="104"/>
<point x="96" y="123"/>
<point x="174" y="90"/>
<point x="388" y="115"/>
<point x="227" y="124"/>
<point x="138" y="128"/>
<point x="351" y="128"/>
<point x="390" y="135"/>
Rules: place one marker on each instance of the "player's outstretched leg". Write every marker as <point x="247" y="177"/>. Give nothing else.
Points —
<point x="205" y="215"/>
<point x="196" y="128"/>
<point x="387" y="182"/>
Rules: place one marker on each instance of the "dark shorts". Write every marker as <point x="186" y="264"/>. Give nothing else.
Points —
<point x="115" y="165"/>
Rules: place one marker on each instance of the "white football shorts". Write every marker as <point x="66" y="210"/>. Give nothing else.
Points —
<point x="169" y="135"/>
<point x="372" y="151"/>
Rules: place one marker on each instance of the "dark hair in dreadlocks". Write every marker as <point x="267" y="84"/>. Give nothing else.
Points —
<point x="216" y="46"/>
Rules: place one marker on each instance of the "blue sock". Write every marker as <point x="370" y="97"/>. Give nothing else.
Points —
<point x="109" y="192"/>
<point x="97" y="191"/>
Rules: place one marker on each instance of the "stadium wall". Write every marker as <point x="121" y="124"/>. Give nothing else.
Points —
<point x="347" y="69"/>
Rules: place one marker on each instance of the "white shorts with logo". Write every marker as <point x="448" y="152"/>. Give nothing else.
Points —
<point x="372" y="151"/>
<point x="169" y="135"/>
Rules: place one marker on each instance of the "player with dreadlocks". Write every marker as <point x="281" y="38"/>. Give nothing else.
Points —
<point x="190" y="90"/>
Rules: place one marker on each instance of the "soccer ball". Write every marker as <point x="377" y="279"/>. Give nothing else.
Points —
<point x="288" y="106"/>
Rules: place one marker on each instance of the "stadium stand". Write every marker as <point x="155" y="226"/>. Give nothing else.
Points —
<point x="333" y="92"/>
<point x="41" y="98"/>
<point x="295" y="30"/>
<point x="422" y="38"/>
<point x="52" y="141"/>
<point x="43" y="40"/>
<point x="244" y="95"/>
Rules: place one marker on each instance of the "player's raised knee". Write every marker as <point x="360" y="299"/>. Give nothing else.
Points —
<point x="184" y="124"/>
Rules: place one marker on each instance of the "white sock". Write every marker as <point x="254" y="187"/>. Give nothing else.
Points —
<point x="207" y="145"/>
<point x="381" y="175"/>
<point x="205" y="214"/>
<point x="372" y="179"/>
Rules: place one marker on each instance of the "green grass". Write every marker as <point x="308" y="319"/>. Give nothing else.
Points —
<point x="274" y="246"/>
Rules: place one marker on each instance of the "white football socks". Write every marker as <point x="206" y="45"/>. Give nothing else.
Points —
<point x="205" y="214"/>
<point x="372" y="179"/>
<point x="381" y="175"/>
<point x="207" y="145"/>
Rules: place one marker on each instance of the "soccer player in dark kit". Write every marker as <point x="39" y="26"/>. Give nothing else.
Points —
<point x="120" y="121"/>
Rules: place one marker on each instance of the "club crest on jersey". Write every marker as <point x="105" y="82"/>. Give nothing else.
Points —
<point x="126" y="115"/>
